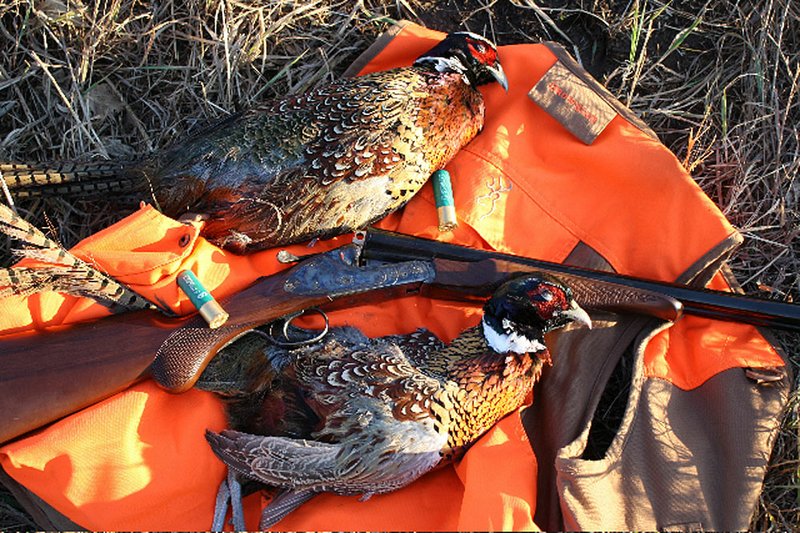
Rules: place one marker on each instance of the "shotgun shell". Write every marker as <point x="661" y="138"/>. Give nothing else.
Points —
<point x="209" y="308"/>
<point x="445" y="205"/>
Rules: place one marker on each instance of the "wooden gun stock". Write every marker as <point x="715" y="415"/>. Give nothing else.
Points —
<point x="47" y="375"/>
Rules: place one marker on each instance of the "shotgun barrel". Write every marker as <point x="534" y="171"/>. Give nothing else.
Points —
<point x="384" y="245"/>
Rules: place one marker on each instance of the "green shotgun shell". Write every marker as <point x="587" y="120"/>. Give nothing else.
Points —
<point x="209" y="308"/>
<point x="445" y="205"/>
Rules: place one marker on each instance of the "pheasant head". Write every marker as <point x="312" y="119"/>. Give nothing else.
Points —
<point x="522" y="310"/>
<point x="469" y="54"/>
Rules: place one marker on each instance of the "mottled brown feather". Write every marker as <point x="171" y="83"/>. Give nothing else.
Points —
<point x="390" y="409"/>
<point x="306" y="166"/>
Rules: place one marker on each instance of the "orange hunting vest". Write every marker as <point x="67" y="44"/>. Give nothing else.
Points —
<point x="562" y="172"/>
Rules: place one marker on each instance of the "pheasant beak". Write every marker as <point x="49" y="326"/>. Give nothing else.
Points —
<point x="577" y="314"/>
<point x="497" y="72"/>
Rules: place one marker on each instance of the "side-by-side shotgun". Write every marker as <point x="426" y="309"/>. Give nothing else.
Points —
<point x="48" y="374"/>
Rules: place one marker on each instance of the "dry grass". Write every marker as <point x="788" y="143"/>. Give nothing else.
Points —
<point x="726" y="101"/>
<point x="717" y="79"/>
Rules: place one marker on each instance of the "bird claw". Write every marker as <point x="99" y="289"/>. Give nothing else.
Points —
<point x="229" y="494"/>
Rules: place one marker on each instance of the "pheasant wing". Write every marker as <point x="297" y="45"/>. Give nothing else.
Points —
<point x="417" y="345"/>
<point x="307" y="166"/>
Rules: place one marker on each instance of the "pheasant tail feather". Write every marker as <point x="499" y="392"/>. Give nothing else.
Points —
<point x="283" y="504"/>
<point x="62" y="272"/>
<point x="20" y="229"/>
<point x="69" y="178"/>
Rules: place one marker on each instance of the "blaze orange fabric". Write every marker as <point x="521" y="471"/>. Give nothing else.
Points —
<point x="726" y="345"/>
<point x="138" y="461"/>
<point x="146" y="251"/>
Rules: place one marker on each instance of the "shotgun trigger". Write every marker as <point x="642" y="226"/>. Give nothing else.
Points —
<point x="285" y="330"/>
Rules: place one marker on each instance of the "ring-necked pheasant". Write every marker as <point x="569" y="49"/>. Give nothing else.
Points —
<point x="353" y="415"/>
<point x="318" y="164"/>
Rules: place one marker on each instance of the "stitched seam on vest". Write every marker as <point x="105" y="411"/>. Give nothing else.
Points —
<point x="767" y="333"/>
<point x="518" y="178"/>
<point x="582" y="253"/>
<point x="719" y="252"/>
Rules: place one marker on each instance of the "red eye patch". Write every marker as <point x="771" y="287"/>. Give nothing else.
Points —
<point x="547" y="300"/>
<point x="483" y="53"/>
